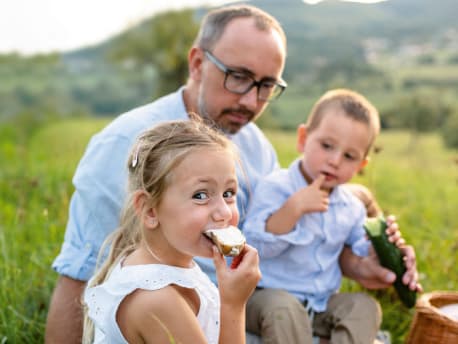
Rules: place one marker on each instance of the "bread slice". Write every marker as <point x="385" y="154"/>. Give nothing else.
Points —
<point x="230" y="240"/>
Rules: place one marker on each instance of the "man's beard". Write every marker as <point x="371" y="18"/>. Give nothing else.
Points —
<point x="212" y="120"/>
<point x="203" y="113"/>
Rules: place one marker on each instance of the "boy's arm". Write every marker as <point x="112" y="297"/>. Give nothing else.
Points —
<point x="307" y="200"/>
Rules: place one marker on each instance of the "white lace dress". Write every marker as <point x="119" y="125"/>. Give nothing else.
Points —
<point x="103" y="300"/>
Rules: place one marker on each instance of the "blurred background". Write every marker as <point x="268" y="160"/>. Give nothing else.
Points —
<point x="68" y="68"/>
<point x="402" y="54"/>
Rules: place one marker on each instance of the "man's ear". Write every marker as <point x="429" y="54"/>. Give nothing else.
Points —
<point x="195" y="59"/>
<point x="144" y="210"/>
<point x="301" y="137"/>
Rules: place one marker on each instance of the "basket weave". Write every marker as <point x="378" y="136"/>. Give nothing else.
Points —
<point x="429" y="326"/>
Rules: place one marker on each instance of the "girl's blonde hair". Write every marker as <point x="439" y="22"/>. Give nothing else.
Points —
<point x="150" y="169"/>
<point x="353" y="104"/>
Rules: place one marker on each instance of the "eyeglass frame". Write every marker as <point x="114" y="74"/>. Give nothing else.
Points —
<point x="281" y="84"/>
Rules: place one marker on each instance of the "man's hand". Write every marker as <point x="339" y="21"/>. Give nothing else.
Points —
<point x="370" y="274"/>
<point x="410" y="277"/>
<point x="367" y="271"/>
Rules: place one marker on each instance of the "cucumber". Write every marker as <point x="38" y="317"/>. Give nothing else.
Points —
<point x="390" y="257"/>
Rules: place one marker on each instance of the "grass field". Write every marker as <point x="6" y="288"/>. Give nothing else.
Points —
<point x="413" y="177"/>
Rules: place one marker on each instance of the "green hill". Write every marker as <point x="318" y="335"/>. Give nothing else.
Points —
<point x="340" y="35"/>
<point x="335" y="29"/>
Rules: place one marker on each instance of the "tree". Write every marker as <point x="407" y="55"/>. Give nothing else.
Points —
<point x="163" y="43"/>
<point x="421" y="112"/>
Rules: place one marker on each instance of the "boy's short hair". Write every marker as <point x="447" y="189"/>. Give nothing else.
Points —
<point x="353" y="104"/>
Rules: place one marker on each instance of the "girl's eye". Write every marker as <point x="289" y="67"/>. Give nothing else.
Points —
<point x="200" y="196"/>
<point x="229" y="194"/>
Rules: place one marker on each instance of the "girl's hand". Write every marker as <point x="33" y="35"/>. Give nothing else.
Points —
<point x="237" y="282"/>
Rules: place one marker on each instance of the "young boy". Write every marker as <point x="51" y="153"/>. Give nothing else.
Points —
<point x="301" y="218"/>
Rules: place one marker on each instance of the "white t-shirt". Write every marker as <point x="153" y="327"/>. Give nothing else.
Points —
<point x="103" y="300"/>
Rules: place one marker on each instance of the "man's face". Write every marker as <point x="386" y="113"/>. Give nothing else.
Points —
<point x="246" y="49"/>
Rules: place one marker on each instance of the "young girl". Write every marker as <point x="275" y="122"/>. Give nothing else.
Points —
<point x="182" y="182"/>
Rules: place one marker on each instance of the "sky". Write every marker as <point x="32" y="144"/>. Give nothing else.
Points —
<point x="43" y="26"/>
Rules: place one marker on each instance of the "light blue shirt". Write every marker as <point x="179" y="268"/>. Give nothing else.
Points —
<point x="100" y="181"/>
<point x="305" y="261"/>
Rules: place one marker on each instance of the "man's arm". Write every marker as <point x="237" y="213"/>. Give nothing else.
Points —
<point x="65" y="314"/>
<point x="368" y="272"/>
<point x="365" y="270"/>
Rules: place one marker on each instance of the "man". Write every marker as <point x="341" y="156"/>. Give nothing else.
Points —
<point x="235" y="68"/>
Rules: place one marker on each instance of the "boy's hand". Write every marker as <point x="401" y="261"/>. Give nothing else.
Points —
<point x="312" y="198"/>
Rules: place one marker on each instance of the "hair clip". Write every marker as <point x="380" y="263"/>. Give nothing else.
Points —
<point x="135" y="160"/>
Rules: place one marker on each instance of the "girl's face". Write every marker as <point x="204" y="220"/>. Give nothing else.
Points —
<point x="201" y="195"/>
<point x="336" y="148"/>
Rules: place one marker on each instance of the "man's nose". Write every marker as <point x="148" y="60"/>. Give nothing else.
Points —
<point x="250" y="99"/>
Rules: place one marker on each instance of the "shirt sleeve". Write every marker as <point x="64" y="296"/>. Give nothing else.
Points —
<point x="100" y="185"/>
<point x="267" y="199"/>
<point x="357" y="239"/>
<point x="258" y="159"/>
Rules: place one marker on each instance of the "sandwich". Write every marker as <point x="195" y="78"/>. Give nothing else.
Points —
<point x="229" y="241"/>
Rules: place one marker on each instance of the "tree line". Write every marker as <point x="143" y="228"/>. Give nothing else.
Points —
<point x="151" y="60"/>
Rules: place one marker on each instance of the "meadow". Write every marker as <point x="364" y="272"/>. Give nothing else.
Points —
<point x="412" y="176"/>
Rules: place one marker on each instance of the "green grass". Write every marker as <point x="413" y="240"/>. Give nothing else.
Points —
<point x="35" y="188"/>
<point x="414" y="178"/>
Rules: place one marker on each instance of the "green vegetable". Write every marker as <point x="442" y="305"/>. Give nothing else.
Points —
<point x="390" y="257"/>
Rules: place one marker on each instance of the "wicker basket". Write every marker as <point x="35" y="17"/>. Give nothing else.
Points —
<point x="429" y="325"/>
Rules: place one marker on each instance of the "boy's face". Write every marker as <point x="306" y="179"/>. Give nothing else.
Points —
<point x="336" y="148"/>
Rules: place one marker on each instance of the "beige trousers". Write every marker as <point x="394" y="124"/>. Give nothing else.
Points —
<point x="279" y="318"/>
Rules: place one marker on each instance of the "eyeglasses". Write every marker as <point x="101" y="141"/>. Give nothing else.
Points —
<point x="241" y="83"/>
